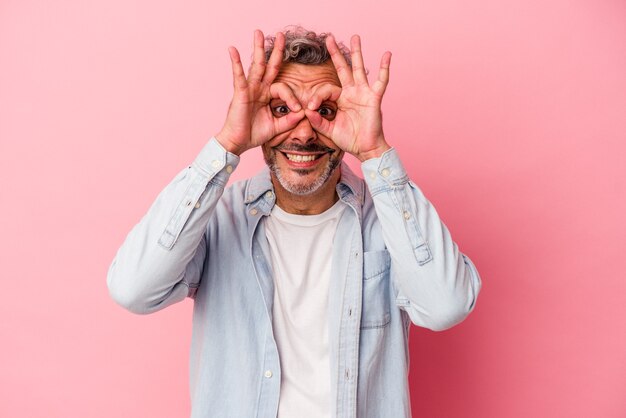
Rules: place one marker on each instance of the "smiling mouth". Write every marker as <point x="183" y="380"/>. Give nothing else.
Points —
<point x="304" y="153"/>
<point x="299" y="158"/>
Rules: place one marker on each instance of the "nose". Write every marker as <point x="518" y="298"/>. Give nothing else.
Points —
<point x="303" y="131"/>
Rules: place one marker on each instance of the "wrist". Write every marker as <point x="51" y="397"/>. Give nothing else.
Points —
<point x="374" y="153"/>
<point x="228" y="144"/>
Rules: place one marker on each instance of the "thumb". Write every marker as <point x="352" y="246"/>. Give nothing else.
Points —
<point x="320" y="124"/>
<point x="287" y="122"/>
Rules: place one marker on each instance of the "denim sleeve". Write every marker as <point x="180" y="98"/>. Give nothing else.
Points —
<point x="435" y="283"/>
<point x="160" y="262"/>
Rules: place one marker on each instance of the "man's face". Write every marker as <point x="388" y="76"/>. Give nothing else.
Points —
<point x="302" y="160"/>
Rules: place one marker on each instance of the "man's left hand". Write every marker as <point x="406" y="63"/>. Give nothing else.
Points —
<point x="357" y="125"/>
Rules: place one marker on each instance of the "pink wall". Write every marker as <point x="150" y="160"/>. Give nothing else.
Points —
<point x="511" y="115"/>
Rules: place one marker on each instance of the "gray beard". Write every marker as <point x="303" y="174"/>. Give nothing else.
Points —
<point x="302" y="189"/>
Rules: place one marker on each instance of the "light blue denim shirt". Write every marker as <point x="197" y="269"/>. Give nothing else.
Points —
<point x="393" y="263"/>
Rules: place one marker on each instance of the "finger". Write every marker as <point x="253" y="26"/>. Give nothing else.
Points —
<point x="380" y="85"/>
<point x="239" y="77"/>
<point x="323" y="93"/>
<point x="283" y="91"/>
<point x="341" y="66"/>
<point x="358" y="68"/>
<point x="289" y="121"/>
<point x="319" y="124"/>
<point x="276" y="59"/>
<point x="257" y="68"/>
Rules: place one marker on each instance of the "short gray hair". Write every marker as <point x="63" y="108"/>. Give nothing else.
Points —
<point x="303" y="46"/>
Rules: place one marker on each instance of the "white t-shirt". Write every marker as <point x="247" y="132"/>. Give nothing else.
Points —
<point x="301" y="251"/>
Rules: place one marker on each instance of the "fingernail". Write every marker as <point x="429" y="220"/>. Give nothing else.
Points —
<point x="296" y="107"/>
<point x="311" y="106"/>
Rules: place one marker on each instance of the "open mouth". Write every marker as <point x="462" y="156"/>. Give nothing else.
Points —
<point x="303" y="156"/>
<point x="299" y="158"/>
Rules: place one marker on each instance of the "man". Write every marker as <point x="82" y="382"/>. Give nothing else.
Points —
<point x="305" y="278"/>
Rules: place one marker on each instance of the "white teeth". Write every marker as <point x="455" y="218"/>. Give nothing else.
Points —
<point x="300" y="158"/>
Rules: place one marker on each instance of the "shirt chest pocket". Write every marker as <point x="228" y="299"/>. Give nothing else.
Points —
<point x="375" y="309"/>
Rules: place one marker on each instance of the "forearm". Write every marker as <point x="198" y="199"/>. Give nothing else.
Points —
<point x="160" y="261"/>
<point x="437" y="285"/>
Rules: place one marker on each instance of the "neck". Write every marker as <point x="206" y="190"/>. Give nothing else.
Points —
<point x="311" y="204"/>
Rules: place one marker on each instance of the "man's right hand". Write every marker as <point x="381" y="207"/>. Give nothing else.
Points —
<point x="250" y="121"/>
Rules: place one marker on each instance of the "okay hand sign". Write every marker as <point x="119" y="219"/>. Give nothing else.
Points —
<point x="357" y="126"/>
<point x="249" y="122"/>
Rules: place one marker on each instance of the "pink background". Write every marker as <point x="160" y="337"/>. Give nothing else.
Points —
<point x="511" y="115"/>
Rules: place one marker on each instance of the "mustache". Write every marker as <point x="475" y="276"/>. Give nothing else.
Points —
<point x="312" y="147"/>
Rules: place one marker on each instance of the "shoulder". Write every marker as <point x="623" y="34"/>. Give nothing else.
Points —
<point x="250" y="189"/>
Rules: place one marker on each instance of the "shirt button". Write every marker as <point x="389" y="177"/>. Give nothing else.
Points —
<point x="385" y="172"/>
<point x="269" y="195"/>
<point x="229" y="169"/>
<point x="197" y="205"/>
<point x="216" y="163"/>
<point x="373" y="175"/>
<point x="268" y="374"/>
<point x="253" y="211"/>
<point x="406" y="214"/>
